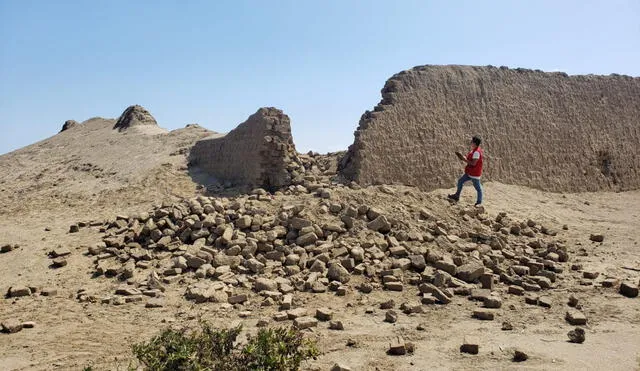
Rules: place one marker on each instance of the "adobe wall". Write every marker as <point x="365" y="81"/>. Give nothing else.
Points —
<point x="545" y="130"/>
<point x="259" y="152"/>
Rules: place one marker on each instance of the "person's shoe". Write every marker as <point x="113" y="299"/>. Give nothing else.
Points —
<point x="453" y="198"/>
<point x="478" y="204"/>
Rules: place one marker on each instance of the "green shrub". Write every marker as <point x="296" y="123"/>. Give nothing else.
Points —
<point x="217" y="349"/>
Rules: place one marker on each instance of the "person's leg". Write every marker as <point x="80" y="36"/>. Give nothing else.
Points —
<point x="463" y="179"/>
<point x="478" y="187"/>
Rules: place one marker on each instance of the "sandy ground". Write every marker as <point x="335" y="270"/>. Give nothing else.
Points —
<point x="70" y="334"/>
<point x="42" y="190"/>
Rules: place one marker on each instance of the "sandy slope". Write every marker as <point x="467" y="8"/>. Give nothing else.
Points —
<point x="48" y="185"/>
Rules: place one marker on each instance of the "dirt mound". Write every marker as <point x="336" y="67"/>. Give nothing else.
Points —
<point x="69" y="124"/>
<point x="544" y="130"/>
<point x="134" y="116"/>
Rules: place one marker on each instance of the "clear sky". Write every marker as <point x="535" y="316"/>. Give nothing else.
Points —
<point x="215" y="62"/>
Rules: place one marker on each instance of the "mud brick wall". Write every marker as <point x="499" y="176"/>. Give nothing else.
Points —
<point x="544" y="130"/>
<point x="258" y="152"/>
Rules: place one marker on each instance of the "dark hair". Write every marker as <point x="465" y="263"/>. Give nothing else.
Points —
<point x="476" y="140"/>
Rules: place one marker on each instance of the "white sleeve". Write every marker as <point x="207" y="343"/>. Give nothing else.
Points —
<point x="476" y="155"/>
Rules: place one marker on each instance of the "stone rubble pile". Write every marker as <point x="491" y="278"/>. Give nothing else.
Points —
<point x="228" y="250"/>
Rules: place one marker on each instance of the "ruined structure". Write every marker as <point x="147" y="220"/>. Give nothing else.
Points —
<point x="135" y="116"/>
<point x="545" y="130"/>
<point x="259" y="152"/>
<point x="69" y="124"/>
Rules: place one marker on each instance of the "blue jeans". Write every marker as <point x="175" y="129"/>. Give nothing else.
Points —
<point x="476" y="184"/>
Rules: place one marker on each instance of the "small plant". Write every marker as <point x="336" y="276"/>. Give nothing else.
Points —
<point x="217" y="349"/>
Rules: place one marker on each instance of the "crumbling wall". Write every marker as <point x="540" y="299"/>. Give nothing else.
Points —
<point x="544" y="130"/>
<point x="259" y="152"/>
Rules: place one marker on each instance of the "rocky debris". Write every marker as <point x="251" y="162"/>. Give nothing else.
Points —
<point x="628" y="289"/>
<point x="69" y="124"/>
<point x="28" y="324"/>
<point x="324" y="314"/>
<point x="336" y="325"/>
<point x="519" y="356"/>
<point x="8" y="247"/>
<point x="134" y="116"/>
<point x="18" y="291"/>
<point x="507" y="326"/>
<point x="484" y="314"/>
<point x="49" y="291"/>
<point x="573" y="301"/>
<point x="232" y="250"/>
<point x="11" y="326"/>
<point x="399" y="347"/>
<point x="59" y="252"/>
<point x="58" y="262"/>
<point x="155" y="303"/>
<point x="74" y="228"/>
<point x="470" y="345"/>
<point x="576" y="317"/>
<point x="576" y="335"/>
<point x="340" y="367"/>
<point x="391" y="316"/>
<point x="596" y="237"/>
<point x="590" y="274"/>
<point x="305" y="322"/>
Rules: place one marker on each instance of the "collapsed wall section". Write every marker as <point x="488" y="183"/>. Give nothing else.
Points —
<point x="259" y="152"/>
<point x="545" y="130"/>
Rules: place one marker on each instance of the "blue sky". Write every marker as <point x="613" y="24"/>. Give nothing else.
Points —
<point x="322" y="62"/>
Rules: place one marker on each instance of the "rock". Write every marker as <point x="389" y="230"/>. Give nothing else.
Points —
<point x="492" y="302"/>
<point x="49" y="291"/>
<point x="433" y="290"/>
<point x="573" y="301"/>
<point x="237" y="299"/>
<point x="59" y="262"/>
<point x="11" y="326"/>
<point x="134" y="116"/>
<point x="471" y="271"/>
<point x="483" y="314"/>
<point x="324" y="314"/>
<point x="389" y="304"/>
<point x="596" y="237"/>
<point x="19" y="291"/>
<point x="519" y="356"/>
<point x="74" y="228"/>
<point x="340" y="367"/>
<point x="6" y="248"/>
<point x="339" y="273"/>
<point x="305" y="322"/>
<point x="397" y="347"/>
<point x="576" y="335"/>
<point x="590" y="274"/>
<point x="202" y="292"/>
<point x="295" y="313"/>
<point x="393" y="286"/>
<point x="59" y="251"/>
<point x="306" y="239"/>
<point x="69" y="124"/>
<point x="380" y="224"/>
<point x="507" y="326"/>
<point x="628" y="289"/>
<point x="391" y="316"/>
<point x="265" y="284"/>
<point x="486" y="279"/>
<point x="515" y="290"/>
<point x="575" y="317"/>
<point x="255" y="265"/>
<point x="545" y="301"/>
<point x="287" y="301"/>
<point x="155" y="303"/>
<point x="336" y="325"/>
<point x="470" y="345"/>
<point x="28" y="324"/>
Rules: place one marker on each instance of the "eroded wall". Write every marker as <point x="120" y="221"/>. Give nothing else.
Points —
<point x="544" y="130"/>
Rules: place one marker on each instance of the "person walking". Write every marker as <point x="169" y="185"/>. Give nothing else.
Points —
<point x="472" y="170"/>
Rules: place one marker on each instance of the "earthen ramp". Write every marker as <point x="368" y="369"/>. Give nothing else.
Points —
<point x="544" y="130"/>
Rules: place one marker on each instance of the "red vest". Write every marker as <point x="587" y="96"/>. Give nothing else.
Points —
<point x="477" y="169"/>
